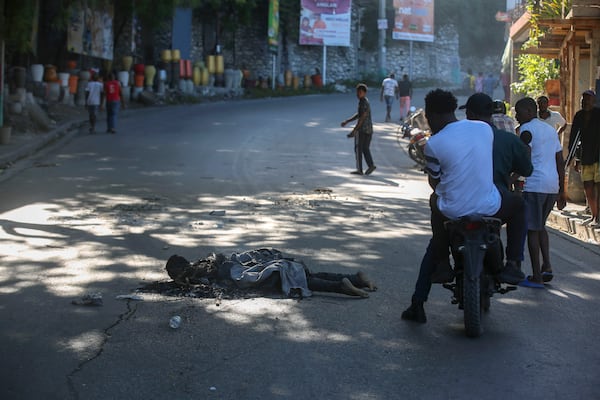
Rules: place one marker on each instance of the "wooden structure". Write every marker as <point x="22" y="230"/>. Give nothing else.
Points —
<point x="573" y="40"/>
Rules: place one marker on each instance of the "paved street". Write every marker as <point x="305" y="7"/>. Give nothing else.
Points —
<point x="102" y="213"/>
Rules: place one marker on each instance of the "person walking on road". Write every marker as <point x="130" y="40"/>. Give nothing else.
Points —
<point x="362" y="132"/>
<point x="586" y="124"/>
<point x="543" y="188"/>
<point x="114" y="97"/>
<point x="389" y="92"/>
<point x="405" y="93"/>
<point x="94" y="95"/>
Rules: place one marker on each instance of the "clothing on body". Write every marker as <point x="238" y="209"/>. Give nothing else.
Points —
<point x="588" y="123"/>
<point x="544" y="146"/>
<point x="510" y="155"/>
<point x="94" y="93"/>
<point x="504" y="123"/>
<point x="555" y="120"/>
<point x="390" y="85"/>
<point x="451" y="154"/>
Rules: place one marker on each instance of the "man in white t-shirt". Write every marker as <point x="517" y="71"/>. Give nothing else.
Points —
<point x="552" y="118"/>
<point x="542" y="189"/>
<point x="460" y="168"/>
<point x="94" y="94"/>
<point x="389" y="92"/>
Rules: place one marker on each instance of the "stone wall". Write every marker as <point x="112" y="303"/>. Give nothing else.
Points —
<point x="436" y="62"/>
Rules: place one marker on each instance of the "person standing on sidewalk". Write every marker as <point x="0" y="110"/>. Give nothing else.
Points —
<point x="587" y="123"/>
<point x="389" y="92"/>
<point x="114" y="97"/>
<point x="552" y="118"/>
<point x="94" y="95"/>
<point x="543" y="188"/>
<point x="362" y="132"/>
<point x="405" y="92"/>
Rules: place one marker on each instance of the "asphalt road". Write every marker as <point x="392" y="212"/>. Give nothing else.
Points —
<point x="102" y="213"/>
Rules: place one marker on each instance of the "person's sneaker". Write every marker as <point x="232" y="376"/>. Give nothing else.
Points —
<point x="357" y="172"/>
<point x="415" y="313"/>
<point x="370" y="170"/>
<point x="511" y="273"/>
<point x="442" y="274"/>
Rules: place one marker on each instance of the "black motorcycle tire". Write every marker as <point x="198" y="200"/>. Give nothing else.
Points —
<point x="485" y="296"/>
<point x="472" y="306"/>
<point x="413" y="153"/>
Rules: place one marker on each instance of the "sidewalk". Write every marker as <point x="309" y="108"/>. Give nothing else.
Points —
<point x="24" y="145"/>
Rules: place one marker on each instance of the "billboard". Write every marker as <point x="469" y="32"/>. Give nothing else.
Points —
<point x="413" y="20"/>
<point x="325" y="22"/>
<point x="90" y="31"/>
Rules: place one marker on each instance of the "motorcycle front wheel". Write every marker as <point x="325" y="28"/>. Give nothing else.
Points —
<point x="472" y="306"/>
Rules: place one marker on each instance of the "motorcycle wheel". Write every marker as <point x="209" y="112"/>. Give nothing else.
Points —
<point x="485" y="295"/>
<point x="472" y="306"/>
<point x="414" y="155"/>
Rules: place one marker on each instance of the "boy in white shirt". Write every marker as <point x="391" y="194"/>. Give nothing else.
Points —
<point x="94" y="94"/>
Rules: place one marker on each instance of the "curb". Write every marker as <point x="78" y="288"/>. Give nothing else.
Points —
<point x="32" y="147"/>
<point x="572" y="225"/>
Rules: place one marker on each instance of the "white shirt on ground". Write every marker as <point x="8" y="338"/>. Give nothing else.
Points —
<point x="460" y="156"/>
<point x="544" y="146"/>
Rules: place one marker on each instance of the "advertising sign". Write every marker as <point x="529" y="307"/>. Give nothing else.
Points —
<point x="413" y="20"/>
<point x="273" y="25"/>
<point x="90" y="31"/>
<point x="325" y="22"/>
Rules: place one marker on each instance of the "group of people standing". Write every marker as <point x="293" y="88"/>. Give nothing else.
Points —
<point x="473" y="164"/>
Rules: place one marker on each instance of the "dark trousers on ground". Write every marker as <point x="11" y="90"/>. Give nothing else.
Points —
<point x="329" y="282"/>
<point x="362" y="144"/>
<point x="512" y="212"/>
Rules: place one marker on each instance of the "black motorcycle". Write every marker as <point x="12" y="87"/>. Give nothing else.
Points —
<point x="478" y="258"/>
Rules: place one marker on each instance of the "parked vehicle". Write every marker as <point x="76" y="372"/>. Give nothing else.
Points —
<point x="478" y="256"/>
<point x="416" y="129"/>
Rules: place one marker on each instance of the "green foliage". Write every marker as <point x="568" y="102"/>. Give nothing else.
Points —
<point x="16" y="24"/>
<point x="534" y="71"/>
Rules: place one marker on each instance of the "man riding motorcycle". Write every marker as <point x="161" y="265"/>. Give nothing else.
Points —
<point x="460" y="168"/>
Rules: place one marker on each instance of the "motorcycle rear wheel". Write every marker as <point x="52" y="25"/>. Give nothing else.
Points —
<point x="472" y="306"/>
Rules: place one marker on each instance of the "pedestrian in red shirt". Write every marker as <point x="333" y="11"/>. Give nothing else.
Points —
<point x="112" y="90"/>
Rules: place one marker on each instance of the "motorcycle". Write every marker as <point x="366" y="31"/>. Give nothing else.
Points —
<point x="416" y="128"/>
<point x="478" y="258"/>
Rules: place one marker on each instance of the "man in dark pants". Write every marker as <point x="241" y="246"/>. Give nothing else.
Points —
<point x="586" y="123"/>
<point x="362" y="132"/>
<point x="460" y="169"/>
<point x="511" y="158"/>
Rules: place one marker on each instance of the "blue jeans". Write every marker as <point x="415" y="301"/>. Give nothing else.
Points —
<point x="112" y="110"/>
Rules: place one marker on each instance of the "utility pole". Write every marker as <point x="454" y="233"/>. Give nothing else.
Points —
<point x="382" y="49"/>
